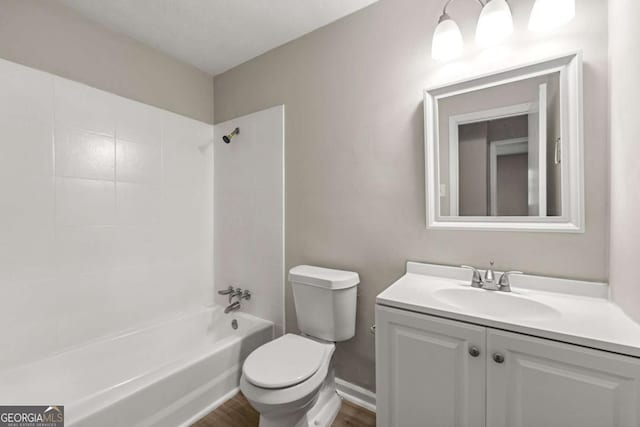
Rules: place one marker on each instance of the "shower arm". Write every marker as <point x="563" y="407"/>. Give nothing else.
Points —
<point x="227" y="138"/>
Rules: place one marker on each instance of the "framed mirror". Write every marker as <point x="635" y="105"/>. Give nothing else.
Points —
<point x="505" y="151"/>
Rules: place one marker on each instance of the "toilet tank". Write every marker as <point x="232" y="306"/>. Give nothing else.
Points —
<point x="325" y="301"/>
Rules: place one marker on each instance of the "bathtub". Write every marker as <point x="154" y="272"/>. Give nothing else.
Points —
<point x="167" y="374"/>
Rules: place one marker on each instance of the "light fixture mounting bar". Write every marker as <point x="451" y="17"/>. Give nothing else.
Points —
<point x="446" y="5"/>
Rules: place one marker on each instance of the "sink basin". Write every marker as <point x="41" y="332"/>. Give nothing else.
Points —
<point x="495" y="303"/>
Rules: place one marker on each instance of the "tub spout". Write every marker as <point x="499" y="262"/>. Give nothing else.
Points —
<point x="232" y="307"/>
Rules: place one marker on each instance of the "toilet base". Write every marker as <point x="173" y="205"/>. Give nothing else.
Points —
<point x="321" y="412"/>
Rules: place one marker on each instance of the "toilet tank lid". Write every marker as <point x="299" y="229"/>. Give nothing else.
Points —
<point x="323" y="277"/>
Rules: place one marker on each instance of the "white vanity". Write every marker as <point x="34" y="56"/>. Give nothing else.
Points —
<point x="551" y="353"/>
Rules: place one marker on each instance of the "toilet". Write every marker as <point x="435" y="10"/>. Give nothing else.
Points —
<point x="290" y="380"/>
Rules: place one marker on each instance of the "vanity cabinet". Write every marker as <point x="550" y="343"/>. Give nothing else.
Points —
<point x="435" y="372"/>
<point x="425" y="372"/>
<point x="552" y="384"/>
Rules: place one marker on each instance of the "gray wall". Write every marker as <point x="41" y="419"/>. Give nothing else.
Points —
<point x="625" y="152"/>
<point x="355" y="190"/>
<point x="47" y="36"/>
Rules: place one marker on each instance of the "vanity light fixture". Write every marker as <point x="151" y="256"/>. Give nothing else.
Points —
<point x="548" y="15"/>
<point x="495" y="23"/>
<point x="447" y="41"/>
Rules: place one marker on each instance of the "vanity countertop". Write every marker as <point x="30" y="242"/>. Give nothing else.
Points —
<point x="563" y="310"/>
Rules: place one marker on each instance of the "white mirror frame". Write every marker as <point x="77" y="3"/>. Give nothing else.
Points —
<point x="571" y="149"/>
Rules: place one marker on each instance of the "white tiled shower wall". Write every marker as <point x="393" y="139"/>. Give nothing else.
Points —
<point x="249" y="212"/>
<point x="106" y="214"/>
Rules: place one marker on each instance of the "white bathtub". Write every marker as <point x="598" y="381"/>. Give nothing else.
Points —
<point x="168" y="374"/>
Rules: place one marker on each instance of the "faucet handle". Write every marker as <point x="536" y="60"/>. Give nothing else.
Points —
<point x="226" y="291"/>
<point x="476" y="279"/>
<point x="504" y="284"/>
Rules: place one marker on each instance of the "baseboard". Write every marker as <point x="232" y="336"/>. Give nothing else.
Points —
<point x="350" y="392"/>
<point x="357" y="395"/>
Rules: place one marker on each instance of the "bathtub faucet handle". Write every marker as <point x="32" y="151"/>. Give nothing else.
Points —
<point x="246" y="295"/>
<point x="227" y="291"/>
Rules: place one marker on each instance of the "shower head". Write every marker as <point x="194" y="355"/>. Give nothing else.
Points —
<point x="228" y="138"/>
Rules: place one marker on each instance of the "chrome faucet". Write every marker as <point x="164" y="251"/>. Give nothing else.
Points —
<point x="476" y="279"/>
<point x="241" y="294"/>
<point x="235" y="292"/>
<point x="229" y="291"/>
<point x="504" y="283"/>
<point x="488" y="282"/>
<point x="226" y="291"/>
<point x="234" y="306"/>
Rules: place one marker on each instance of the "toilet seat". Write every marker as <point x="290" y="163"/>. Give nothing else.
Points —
<point x="284" y="362"/>
<point x="294" y="395"/>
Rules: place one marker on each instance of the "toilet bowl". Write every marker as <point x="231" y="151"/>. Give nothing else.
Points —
<point x="287" y="391"/>
<point x="290" y="381"/>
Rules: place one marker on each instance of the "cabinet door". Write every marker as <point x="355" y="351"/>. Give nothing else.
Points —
<point x="426" y="376"/>
<point x="546" y="383"/>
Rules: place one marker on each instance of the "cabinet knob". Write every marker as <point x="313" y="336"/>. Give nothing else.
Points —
<point x="498" y="358"/>
<point x="474" y="351"/>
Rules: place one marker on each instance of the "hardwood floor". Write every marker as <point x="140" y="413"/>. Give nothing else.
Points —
<point x="237" y="412"/>
<point x="354" y="415"/>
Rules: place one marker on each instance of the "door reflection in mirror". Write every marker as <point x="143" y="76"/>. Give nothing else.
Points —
<point x="497" y="150"/>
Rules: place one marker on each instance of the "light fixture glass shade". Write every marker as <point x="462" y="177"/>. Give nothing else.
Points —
<point x="495" y="23"/>
<point x="548" y="15"/>
<point x="447" y="41"/>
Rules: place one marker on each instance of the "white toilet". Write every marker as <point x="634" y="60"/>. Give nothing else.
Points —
<point x="290" y="380"/>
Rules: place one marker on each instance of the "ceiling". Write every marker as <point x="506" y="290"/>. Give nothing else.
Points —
<point x="215" y="35"/>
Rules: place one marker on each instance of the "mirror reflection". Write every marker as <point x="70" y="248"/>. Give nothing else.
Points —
<point x="499" y="150"/>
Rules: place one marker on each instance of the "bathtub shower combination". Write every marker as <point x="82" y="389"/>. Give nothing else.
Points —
<point x="107" y="252"/>
<point x="168" y="374"/>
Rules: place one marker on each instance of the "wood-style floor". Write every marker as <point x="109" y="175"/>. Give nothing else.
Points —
<point x="237" y="412"/>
